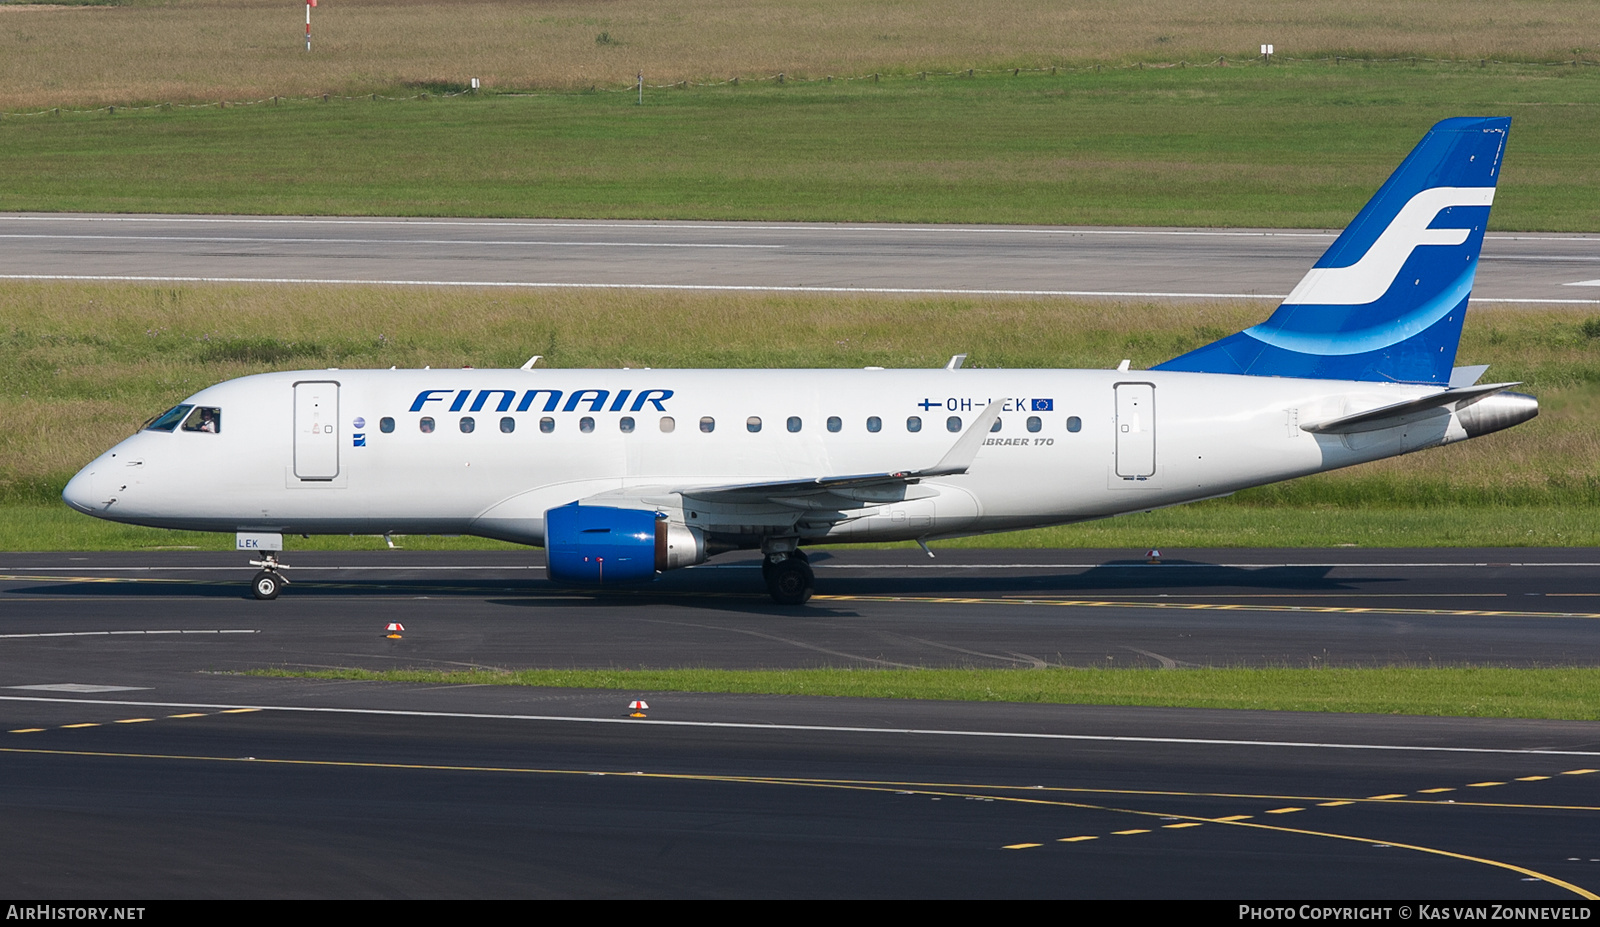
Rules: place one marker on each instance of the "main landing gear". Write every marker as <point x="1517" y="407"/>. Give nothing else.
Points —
<point x="269" y="582"/>
<point x="789" y="577"/>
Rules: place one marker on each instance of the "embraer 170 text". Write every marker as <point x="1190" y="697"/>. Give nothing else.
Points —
<point x="621" y="474"/>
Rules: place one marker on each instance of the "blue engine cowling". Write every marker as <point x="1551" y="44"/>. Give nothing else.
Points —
<point x="598" y="545"/>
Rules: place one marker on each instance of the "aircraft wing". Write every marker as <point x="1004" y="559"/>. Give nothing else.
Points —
<point x="843" y="491"/>
<point x="955" y="461"/>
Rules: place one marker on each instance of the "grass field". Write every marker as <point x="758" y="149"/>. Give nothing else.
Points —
<point x="1477" y="692"/>
<point x="1296" y="146"/>
<point x="183" y="50"/>
<point x="88" y="362"/>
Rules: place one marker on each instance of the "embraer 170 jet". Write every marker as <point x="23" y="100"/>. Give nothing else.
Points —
<point x="621" y="474"/>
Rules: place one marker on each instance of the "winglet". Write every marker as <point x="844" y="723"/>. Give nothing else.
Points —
<point x="961" y="454"/>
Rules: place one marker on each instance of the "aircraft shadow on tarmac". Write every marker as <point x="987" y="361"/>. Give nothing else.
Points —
<point x="1171" y="577"/>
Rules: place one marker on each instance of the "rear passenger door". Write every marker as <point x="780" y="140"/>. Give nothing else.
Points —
<point x="1136" y="430"/>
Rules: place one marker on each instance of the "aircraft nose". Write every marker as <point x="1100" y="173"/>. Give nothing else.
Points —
<point x="79" y="491"/>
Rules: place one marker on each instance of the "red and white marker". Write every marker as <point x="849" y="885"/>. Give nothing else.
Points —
<point x="309" y="5"/>
<point x="638" y="707"/>
<point x="1153" y="556"/>
<point x="394" y="629"/>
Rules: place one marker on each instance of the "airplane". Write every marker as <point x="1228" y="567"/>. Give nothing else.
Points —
<point x="623" y="474"/>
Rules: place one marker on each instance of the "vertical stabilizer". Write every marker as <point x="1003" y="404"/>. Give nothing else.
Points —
<point x="1386" y="302"/>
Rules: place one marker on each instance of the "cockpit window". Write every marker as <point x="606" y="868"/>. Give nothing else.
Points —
<point x="168" y="420"/>
<point x="206" y="418"/>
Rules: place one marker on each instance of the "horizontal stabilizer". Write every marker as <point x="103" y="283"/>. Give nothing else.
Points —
<point x="1402" y="413"/>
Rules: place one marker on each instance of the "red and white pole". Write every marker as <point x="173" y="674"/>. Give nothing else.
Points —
<point x="309" y="5"/>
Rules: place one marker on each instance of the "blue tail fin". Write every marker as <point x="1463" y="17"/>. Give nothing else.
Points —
<point x="1386" y="302"/>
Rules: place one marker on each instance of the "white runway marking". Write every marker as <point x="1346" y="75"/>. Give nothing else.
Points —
<point x="80" y="688"/>
<point x="910" y="291"/>
<point x="657" y="286"/>
<point x="111" y="633"/>
<point x="821" y="728"/>
<point x="390" y="241"/>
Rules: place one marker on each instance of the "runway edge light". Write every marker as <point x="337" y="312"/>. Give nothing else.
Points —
<point x="1152" y="556"/>
<point x="394" y="630"/>
<point x="638" y="708"/>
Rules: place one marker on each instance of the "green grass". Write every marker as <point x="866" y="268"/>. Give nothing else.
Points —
<point x="1478" y="692"/>
<point x="1293" y="146"/>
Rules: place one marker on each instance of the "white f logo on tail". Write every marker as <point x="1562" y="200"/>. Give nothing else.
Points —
<point x="1368" y="279"/>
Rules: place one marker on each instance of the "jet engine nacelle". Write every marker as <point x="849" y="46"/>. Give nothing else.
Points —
<point x="600" y="545"/>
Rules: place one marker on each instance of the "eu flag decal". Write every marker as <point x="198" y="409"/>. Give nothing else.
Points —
<point x="1044" y="405"/>
<point x="359" y="439"/>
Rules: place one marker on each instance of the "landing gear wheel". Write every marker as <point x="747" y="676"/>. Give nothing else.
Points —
<point x="767" y="564"/>
<point x="789" y="582"/>
<point x="266" y="585"/>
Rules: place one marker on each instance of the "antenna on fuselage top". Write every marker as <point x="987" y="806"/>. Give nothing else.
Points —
<point x="956" y="361"/>
<point x="531" y="361"/>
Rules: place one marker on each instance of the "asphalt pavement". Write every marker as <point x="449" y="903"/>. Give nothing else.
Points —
<point x="141" y="761"/>
<point x="1041" y="260"/>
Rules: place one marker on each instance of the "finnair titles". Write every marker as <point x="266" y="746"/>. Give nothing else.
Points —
<point x="623" y="474"/>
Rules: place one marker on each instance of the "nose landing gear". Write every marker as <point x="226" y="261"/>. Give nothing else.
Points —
<point x="269" y="582"/>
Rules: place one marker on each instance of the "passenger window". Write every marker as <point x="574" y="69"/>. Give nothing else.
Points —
<point x="586" y="424"/>
<point x="751" y="424"/>
<point x="995" y="426"/>
<point x="508" y="425"/>
<point x="386" y="425"/>
<point x="794" y="423"/>
<point x="626" y="424"/>
<point x="1034" y="424"/>
<point x="834" y="424"/>
<point x="1074" y="424"/>
<point x="953" y="423"/>
<point x="547" y="425"/>
<point x="426" y="424"/>
<point x="914" y="423"/>
<point x="168" y="420"/>
<point x="667" y="424"/>
<point x="206" y="419"/>
<point x="467" y="424"/>
<point x="708" y="424"/>
<point x="874" y="424"/>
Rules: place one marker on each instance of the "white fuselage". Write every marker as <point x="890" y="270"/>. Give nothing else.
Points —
<point x="1143" y="439"/>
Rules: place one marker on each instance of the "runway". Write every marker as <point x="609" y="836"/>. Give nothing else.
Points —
<point x="142" y="763"/>
<point x="1129" y="263"/>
